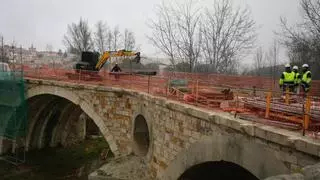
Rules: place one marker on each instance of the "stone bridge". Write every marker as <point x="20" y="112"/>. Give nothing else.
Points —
<point x="172" y="137"/>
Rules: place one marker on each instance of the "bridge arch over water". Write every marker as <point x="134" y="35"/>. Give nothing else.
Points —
<point x="62" y="100"/>
<point x="231" y="151"/>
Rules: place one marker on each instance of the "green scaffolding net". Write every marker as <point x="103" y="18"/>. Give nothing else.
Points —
<point x="13" y="106"/>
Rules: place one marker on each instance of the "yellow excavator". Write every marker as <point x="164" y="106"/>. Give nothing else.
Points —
<point x="91" y="62"/>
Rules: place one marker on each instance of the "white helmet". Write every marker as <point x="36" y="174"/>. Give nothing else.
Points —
<point x="287" y="66"/>
<point x="305" y="66"/>
<point x="295" y="68"/>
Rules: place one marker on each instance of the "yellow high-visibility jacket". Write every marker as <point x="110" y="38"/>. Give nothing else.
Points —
<point x="306" y="78"/>
<point x="287" y="78"/>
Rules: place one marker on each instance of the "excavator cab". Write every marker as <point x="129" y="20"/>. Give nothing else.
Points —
<point x="88" y="61"/>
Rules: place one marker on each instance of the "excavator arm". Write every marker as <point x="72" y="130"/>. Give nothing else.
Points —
<point x="106" y="56"/>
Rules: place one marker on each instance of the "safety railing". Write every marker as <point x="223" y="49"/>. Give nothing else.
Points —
<point x="245" y="97"/>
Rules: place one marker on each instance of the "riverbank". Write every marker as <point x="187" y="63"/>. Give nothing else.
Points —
<point x="74" y="162"/>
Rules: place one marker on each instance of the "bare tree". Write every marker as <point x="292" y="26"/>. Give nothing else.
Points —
<point x="227" y="33"/>
<point x="273" y="60"/>
<point x="163" y="32"/>
<point x="129" y="40"/>
<point x="176" y="32"/>
<point x="78" y="37"/>
<point x="259" y="61"/>
<point x="303" y="39"/>
<point x="188" y="39"/>
<point x="101" y="36"/>
<point x="109" y="40"/>
<point x="116" y="38"/>
<point x="311" y="9"/>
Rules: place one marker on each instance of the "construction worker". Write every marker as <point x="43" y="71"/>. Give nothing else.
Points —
<point x="287" y="79"/>
<point x="306" y="78"/>
<point x="297" y="79"/>
<point x="116" y="69"/>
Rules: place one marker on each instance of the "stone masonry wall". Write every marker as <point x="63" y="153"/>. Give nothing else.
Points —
<point x="182" y="136"/>
<point x="116" y="111"/>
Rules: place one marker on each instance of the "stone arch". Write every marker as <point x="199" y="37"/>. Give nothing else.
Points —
<point x="32" y="123"/>
<point x="257" y="158"/>
<point x="49" y="119"/>
<point x="217" y="170"/>
<point x="141" y="136"/>
<point x="77" y="100"/>
<point x="42" y="111"/>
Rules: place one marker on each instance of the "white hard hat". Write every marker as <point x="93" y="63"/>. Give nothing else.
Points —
<point x="287" y="65"/>
<point x="305" y="66"/>
<point x="295" y="68"/>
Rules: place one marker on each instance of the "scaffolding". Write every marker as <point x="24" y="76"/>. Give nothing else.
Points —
<point x="13" y="117"/>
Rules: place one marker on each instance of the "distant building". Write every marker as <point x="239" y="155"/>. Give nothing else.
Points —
<point x="32" y="51"/>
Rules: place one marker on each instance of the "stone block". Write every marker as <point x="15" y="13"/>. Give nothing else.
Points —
<point x="162" y="164"/>
<point x="195" y="135"/>
<point x="312" y="172"/>
<point x="113" y="145"/>
<point x="287" y="177"/>
<point x="248" y="129"/>
<point x="198" y="113"/>
<point x="270" y="134"/>
<point x="187" y="132"/>
<point x="174" y="140"/>
<point x="167" y="137"/>
<point x="192" y="140"/>
<point x="286" y="157"/>
<point x="307" y="146"/>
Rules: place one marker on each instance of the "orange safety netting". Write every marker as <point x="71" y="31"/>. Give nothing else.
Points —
<point x="240" y="94"/>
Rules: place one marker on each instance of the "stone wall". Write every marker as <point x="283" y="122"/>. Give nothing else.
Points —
<point x="306" y="173"/>
<point x="115" y="109"/>
<point x="182" y="136"/>
<point x="74" y="131"/>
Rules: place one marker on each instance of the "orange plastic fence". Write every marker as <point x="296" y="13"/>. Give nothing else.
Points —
<point x="247" y="95"/>
<point x="238" y="81"/>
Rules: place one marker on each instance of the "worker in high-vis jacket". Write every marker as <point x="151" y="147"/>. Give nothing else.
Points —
<point x="306" y="78"/>
<point x="287" y="79"/>
<point x="297" y="79"/>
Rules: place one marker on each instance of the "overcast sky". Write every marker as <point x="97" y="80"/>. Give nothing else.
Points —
<point x="42" y="22"/>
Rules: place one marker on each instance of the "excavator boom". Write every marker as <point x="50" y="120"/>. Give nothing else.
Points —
<point x="106" y="56"/>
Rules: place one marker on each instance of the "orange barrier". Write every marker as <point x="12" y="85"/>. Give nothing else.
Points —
<point x="235" y="81"/>
<point x="234" y="94"/>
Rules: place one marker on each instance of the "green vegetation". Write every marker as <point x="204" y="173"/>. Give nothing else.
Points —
<point x="74" y="162"/>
